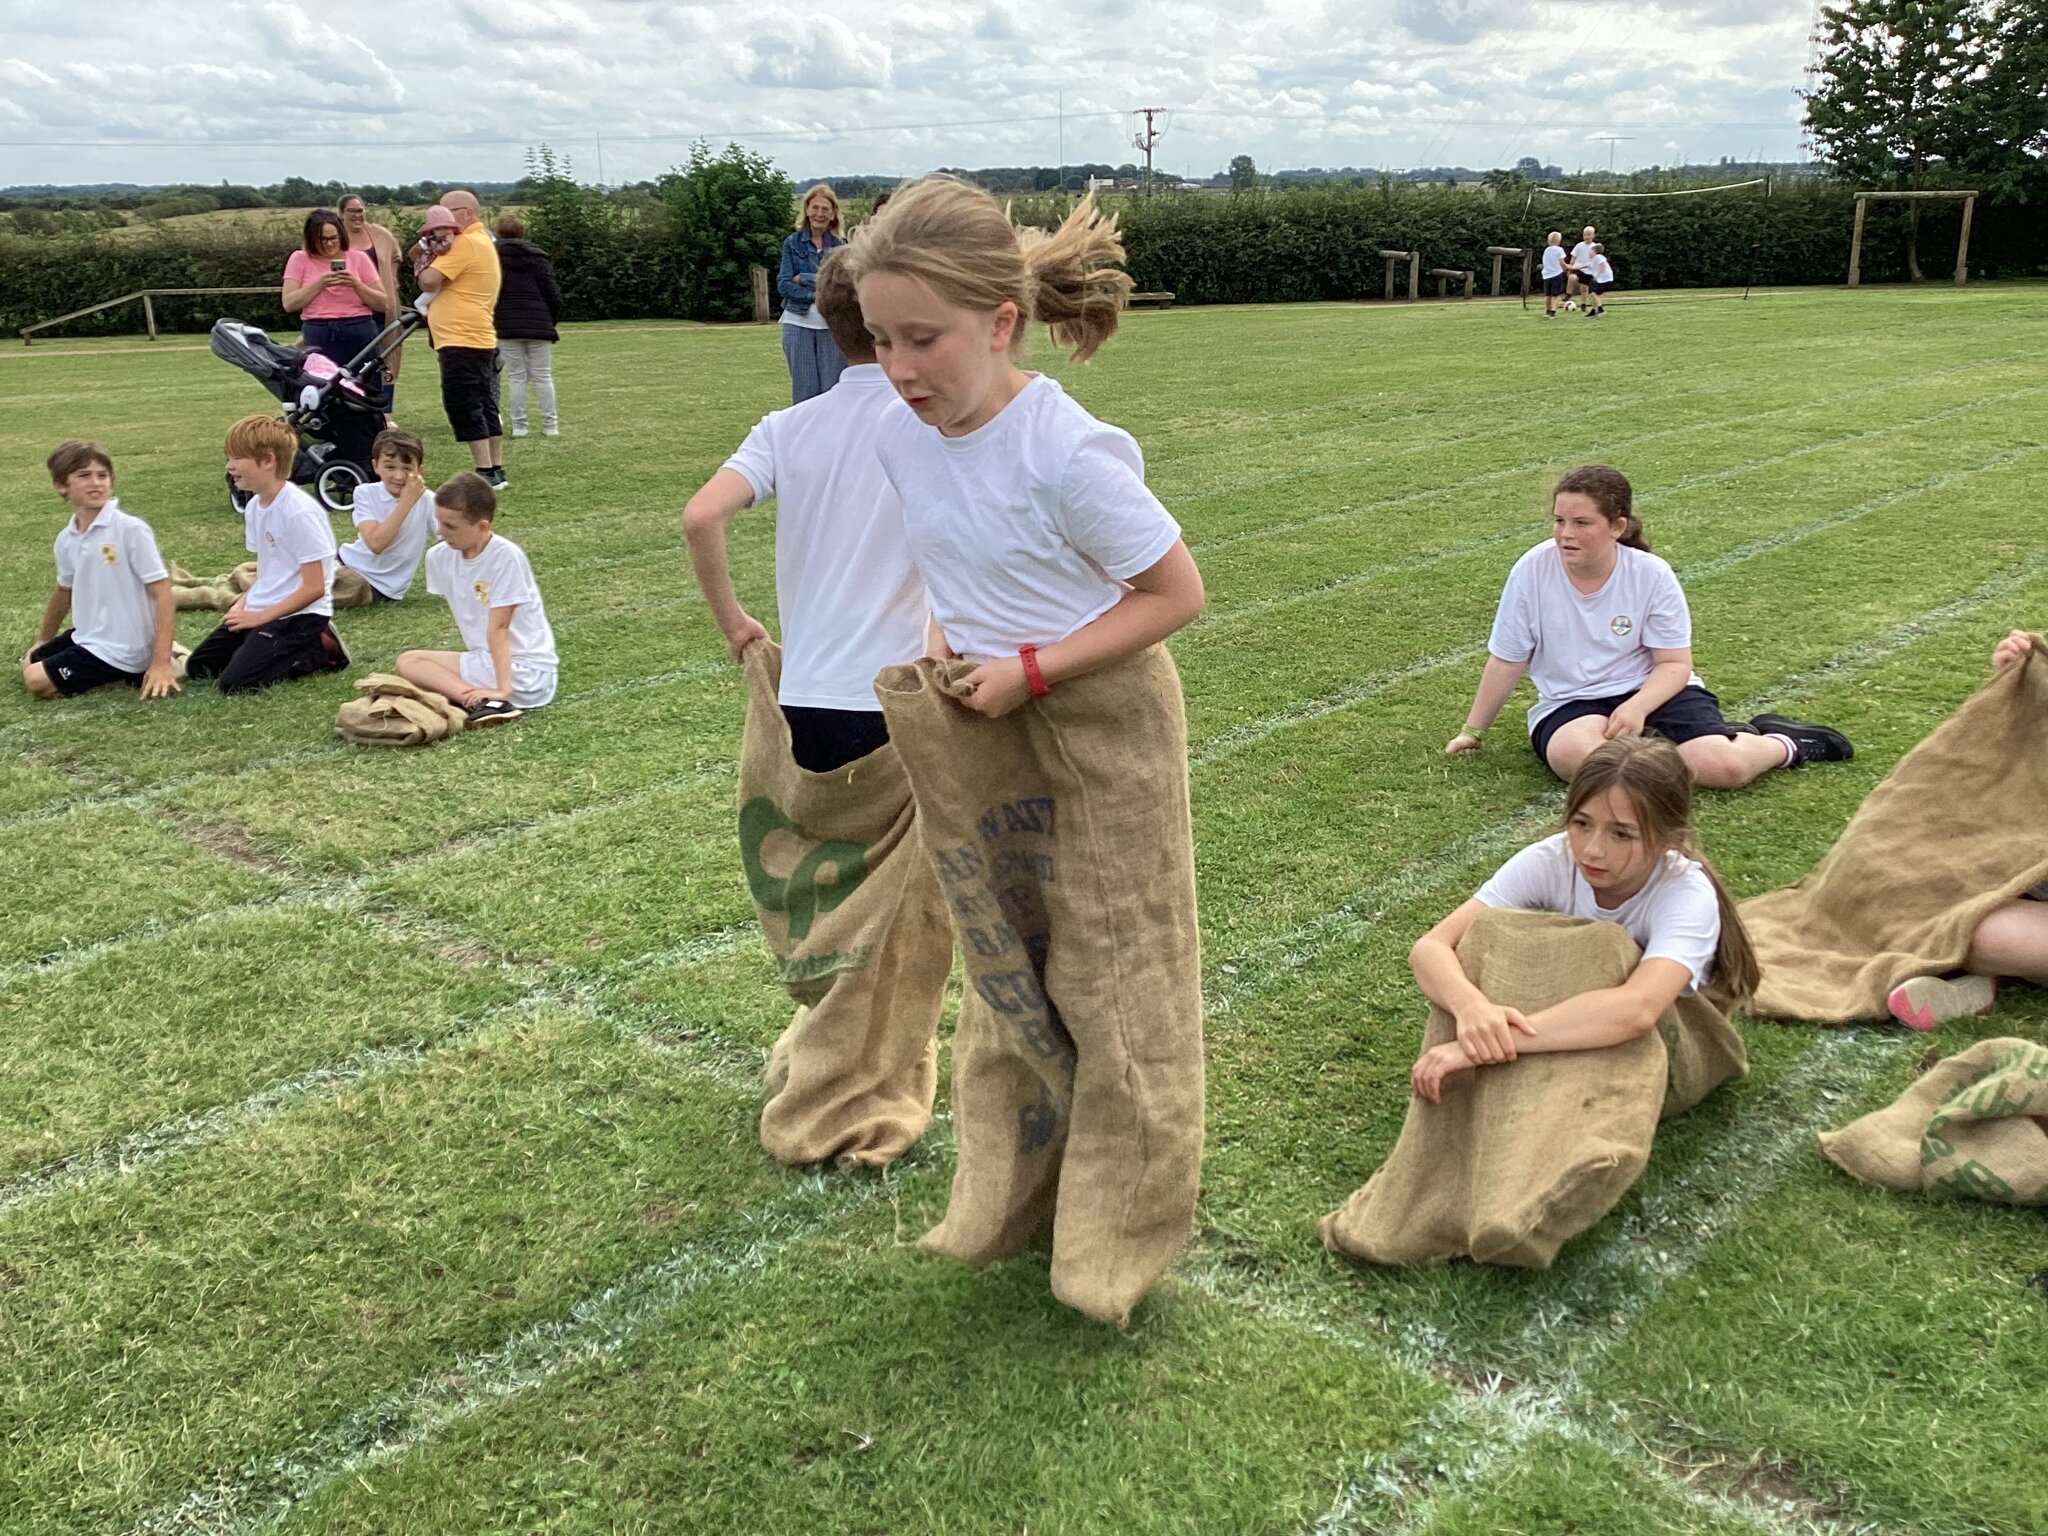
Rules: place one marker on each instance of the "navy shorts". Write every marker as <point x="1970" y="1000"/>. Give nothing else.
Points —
<point x="72" y="669"/>
<point x="1554" y="285"/>
<point x="1692" y="713"/>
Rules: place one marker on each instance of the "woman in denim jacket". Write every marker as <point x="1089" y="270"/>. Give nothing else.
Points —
<point x="814" y="361"/>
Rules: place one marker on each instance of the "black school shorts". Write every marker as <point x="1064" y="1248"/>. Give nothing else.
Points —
<point x="1554" y="285"/>
<point x="1693" y="712"/>
<point x="72" y="669"/>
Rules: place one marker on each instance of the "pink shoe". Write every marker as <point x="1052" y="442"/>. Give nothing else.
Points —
<point x="1925" y="1001"/>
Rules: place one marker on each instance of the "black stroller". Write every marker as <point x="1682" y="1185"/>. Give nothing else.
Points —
<point x="330" y="405"/>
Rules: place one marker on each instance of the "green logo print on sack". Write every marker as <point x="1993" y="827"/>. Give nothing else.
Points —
<point x="806" y="891"/>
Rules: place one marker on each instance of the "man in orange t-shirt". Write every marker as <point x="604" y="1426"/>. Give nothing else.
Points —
<point x="464" y="283"/>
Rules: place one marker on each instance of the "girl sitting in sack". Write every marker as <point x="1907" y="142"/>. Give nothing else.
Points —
<point x="1045" y="744"/>
<point x="1601" y="627"/>
<point x="1574" y="985"/>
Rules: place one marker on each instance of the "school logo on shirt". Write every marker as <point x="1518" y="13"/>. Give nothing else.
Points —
<point x="110" y="554"/>
<point x="482" y="589"/>
<point x="1621" y="625"/>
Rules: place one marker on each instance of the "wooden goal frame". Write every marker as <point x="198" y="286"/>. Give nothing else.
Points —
<point x="1864" y="199"/>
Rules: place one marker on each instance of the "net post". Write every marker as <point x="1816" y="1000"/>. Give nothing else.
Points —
<point x="1856" y="243"/>
<point x="1963" y="248"/>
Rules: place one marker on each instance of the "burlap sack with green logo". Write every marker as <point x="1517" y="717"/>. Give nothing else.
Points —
<point x="1518" y="1159"/>
<point x="1062" y="840"/>
<point x="853" y="917"/>
<point x="1958" y="827"/>
<point x="391" y="712"/>
<point x="1973" y="1126"/>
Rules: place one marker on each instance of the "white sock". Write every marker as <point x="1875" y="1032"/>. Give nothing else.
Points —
<point x="1791" y="747"/>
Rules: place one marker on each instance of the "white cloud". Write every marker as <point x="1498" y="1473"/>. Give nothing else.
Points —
<point x="818" y="53"/>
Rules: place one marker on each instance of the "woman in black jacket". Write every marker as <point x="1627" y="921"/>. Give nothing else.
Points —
<point x="528" y="305"/>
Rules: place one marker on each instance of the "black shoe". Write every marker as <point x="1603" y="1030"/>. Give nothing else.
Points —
<point x="1816" y="743"/>
<point x="495" y="477"/>
<point x="330" y="648"/>
<point x="492" y="712"/>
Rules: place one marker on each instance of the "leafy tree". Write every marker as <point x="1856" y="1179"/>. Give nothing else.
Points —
<point x="1898" y="92"/>
<point x="2010" y="155"/>
<point x="1244" y="175"/>
<point x="726" y="212"/>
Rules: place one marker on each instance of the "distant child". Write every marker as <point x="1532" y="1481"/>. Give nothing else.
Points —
<point x="852" y="1078"/>
<point x="510" y="663"/>
<point x="394" y="514"/>
<point x="278" y="629"/>
<point x="1046" y="743"/>
<point x="1553" y="272"/>
<point x="1603" y="279"/>
<point x="1581" y="265"/>
<point x="111" y="578"/>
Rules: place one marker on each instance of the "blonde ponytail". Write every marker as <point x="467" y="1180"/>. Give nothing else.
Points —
<point x="959" y="242"/>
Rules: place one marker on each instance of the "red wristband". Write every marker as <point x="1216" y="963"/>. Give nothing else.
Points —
<point x="1028" y="654"/>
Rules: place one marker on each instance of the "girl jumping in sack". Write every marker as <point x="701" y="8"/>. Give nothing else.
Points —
<point x="1046" y="745"/>
<point x="1603" y="941"/>
<point x="1601" y="626"/>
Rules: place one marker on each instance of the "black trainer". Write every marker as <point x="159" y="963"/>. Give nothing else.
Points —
<point x="1816" y="743"/>
<point x="492" y="712"/>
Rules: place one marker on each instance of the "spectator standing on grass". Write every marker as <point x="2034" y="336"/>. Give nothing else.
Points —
<point x="381" y="246"/>
<point x="529" y="304"/>
<point x="335" y="292"/>
<point x="815" y="361"/>
<point x="463" y="282"/>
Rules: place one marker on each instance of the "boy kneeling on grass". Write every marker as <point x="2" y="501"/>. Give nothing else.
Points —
<point x="114" y="583"/>
<point x="279" y="629"/>
<point x="510" y="665"/>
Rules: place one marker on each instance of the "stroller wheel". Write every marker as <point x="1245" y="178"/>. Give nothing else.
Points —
<point x="237" y="497"/>
<point x="336" y="486"/>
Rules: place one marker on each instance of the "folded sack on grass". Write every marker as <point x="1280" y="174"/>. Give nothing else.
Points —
<point x="395" y="713"/>
<point x="1062" y="837"/>
<point x="1958" y="827"/>
<point x="1975" y="1125"/>
<point x="212" y="593"/>
<point x="351" y="589"/>
<point x="851" y="909"/>
<point x="1518" y="1159"/>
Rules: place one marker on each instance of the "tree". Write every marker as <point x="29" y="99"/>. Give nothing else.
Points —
<point x="1898" y="92"/>
<point x="1244" y="176"/>
<point x="2010" y="156"/>
<point x="726" y="212"/>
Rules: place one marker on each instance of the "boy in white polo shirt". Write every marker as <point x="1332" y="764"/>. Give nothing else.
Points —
<point x="113" y="583"/>
<point x="279" y="629"/>
<point x="393" y="514"/>
<point x="510" y="665"/>
<point x="1603" y="279"/>
<point x="1580" y="267"/>
<point x="866" y="955"/>
<point x="1553" y="273"/>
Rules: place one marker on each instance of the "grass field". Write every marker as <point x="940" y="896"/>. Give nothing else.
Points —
<point x="377" y="1143"/>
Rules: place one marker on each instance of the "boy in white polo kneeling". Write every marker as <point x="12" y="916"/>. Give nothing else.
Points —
<point x="510" y="664"/>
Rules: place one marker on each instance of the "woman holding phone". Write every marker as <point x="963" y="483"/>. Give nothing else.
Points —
<point x="336" y="293"/>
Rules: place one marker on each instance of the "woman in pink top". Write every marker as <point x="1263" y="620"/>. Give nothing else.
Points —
<point x="335" y="291"/>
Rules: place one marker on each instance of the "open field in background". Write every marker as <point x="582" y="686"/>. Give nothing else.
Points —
<point x="377" y="1145"/>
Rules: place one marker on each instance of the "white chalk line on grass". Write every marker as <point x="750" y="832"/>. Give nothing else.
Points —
<point x="1359" y="691"/>
<point x="261" y="1495"/>
<point x="1495" y="476"/>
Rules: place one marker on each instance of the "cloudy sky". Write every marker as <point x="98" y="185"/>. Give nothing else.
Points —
<point x="382" y="90"/>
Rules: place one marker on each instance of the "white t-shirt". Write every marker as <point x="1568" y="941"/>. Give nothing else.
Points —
<point x="1582" y="255"/>
<point x="392" y="571"/>
<point x="850" y="597"/>
<point x="809" y="320"/>
<point x="283" y="536"/>
<point x="1675" y="916"/>
<point x="107" y="568"/>
<point x="1603" y="270"/>
<point x="1588" y="645"/>
<point x="1026" y="528"/>
<point x="1553" y="261"/>
<point x="499" y="577"/>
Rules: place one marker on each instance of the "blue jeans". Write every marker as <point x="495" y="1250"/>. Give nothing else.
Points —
<point x="815" y="362"/>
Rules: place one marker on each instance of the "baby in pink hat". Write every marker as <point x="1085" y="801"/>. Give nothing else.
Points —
<point x="437" y="233"/>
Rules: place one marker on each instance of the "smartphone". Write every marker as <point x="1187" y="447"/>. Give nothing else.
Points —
<point x="339" y="264"/>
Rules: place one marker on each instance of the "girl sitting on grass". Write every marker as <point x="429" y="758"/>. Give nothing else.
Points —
<point x="1601" y="627"/>
<point x="1627" y="855"/>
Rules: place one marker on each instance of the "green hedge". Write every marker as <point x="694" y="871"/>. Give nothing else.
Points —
<point x="1309" y="244"/>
